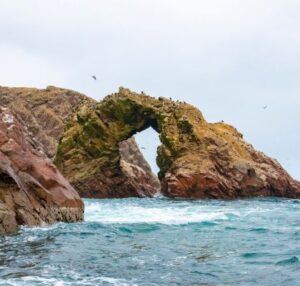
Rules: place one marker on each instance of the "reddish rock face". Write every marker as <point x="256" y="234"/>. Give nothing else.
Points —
<point x="32" y="190"/>
<point x="45" y="112"/>
<point x="213" y="186"/>
<point x="224" y="171"/>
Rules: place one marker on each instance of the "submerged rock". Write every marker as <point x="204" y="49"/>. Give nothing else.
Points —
<point x="44" y="113"/>
<point x="32" y="190"/>
<point x="197" y="159"/>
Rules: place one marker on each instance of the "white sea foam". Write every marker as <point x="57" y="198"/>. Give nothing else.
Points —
<point x="126" y="214"/>
<point x="36" y="280"/>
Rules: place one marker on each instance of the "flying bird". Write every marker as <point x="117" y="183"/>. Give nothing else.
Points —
<point x="143" y="148"/>
<point x="94" y="77"/>
<point x="265" y="107"/>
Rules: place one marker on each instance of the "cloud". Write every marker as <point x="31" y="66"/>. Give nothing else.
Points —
<point x="19" y="68"/>
<point x="229" y="58"/>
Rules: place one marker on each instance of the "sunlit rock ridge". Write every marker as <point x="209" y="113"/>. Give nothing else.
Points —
<point x="197" y="159"/>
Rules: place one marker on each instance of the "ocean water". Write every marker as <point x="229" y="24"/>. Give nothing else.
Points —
<point x="161" y="242"/>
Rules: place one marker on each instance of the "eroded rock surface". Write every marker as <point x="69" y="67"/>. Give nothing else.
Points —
<point x="44" y="113"/>
<point x="197" y="159"/>
<point x="32" y="190"/>
<point x="137" y="169"/>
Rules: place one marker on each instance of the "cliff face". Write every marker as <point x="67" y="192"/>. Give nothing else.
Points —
<point x="32" y="191"/>
<point x="197" y="159"/>
<point x="44" y="113"/>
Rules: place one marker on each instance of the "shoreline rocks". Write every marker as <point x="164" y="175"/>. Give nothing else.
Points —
<point x="32" y="190"/>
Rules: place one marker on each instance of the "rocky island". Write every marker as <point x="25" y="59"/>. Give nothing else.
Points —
<point x="197" y="159"/>
<point x="56" y="142"/>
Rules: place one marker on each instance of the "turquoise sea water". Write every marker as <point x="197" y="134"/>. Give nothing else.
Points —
<point x="161" y="242"/>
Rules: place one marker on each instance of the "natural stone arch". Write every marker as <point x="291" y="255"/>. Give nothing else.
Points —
<point x="196" y="159"/>
<point x="89" y="152"/>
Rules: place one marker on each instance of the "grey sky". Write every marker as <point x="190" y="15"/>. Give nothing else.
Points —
<point x="229" y="58"/>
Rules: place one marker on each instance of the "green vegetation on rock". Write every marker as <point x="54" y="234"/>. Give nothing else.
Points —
<point x="196" y="158"/>
<point x="95" y="133"/>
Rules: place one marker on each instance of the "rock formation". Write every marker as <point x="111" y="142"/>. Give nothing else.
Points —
<point x="197" y="159"/>
<point x="32" y="190"/>
<point x="97" y="154"/>
<point x="44" y="113"/>
<point x="137" y="169"/>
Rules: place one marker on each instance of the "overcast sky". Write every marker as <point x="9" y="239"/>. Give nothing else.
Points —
<point x="228" y="58"/>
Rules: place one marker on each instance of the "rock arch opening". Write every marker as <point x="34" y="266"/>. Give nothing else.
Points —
<point x="196" y="159"/>
<point x="91" y="151"/>
<point x="148" y="141"/>
<point x="138" y="160"/>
